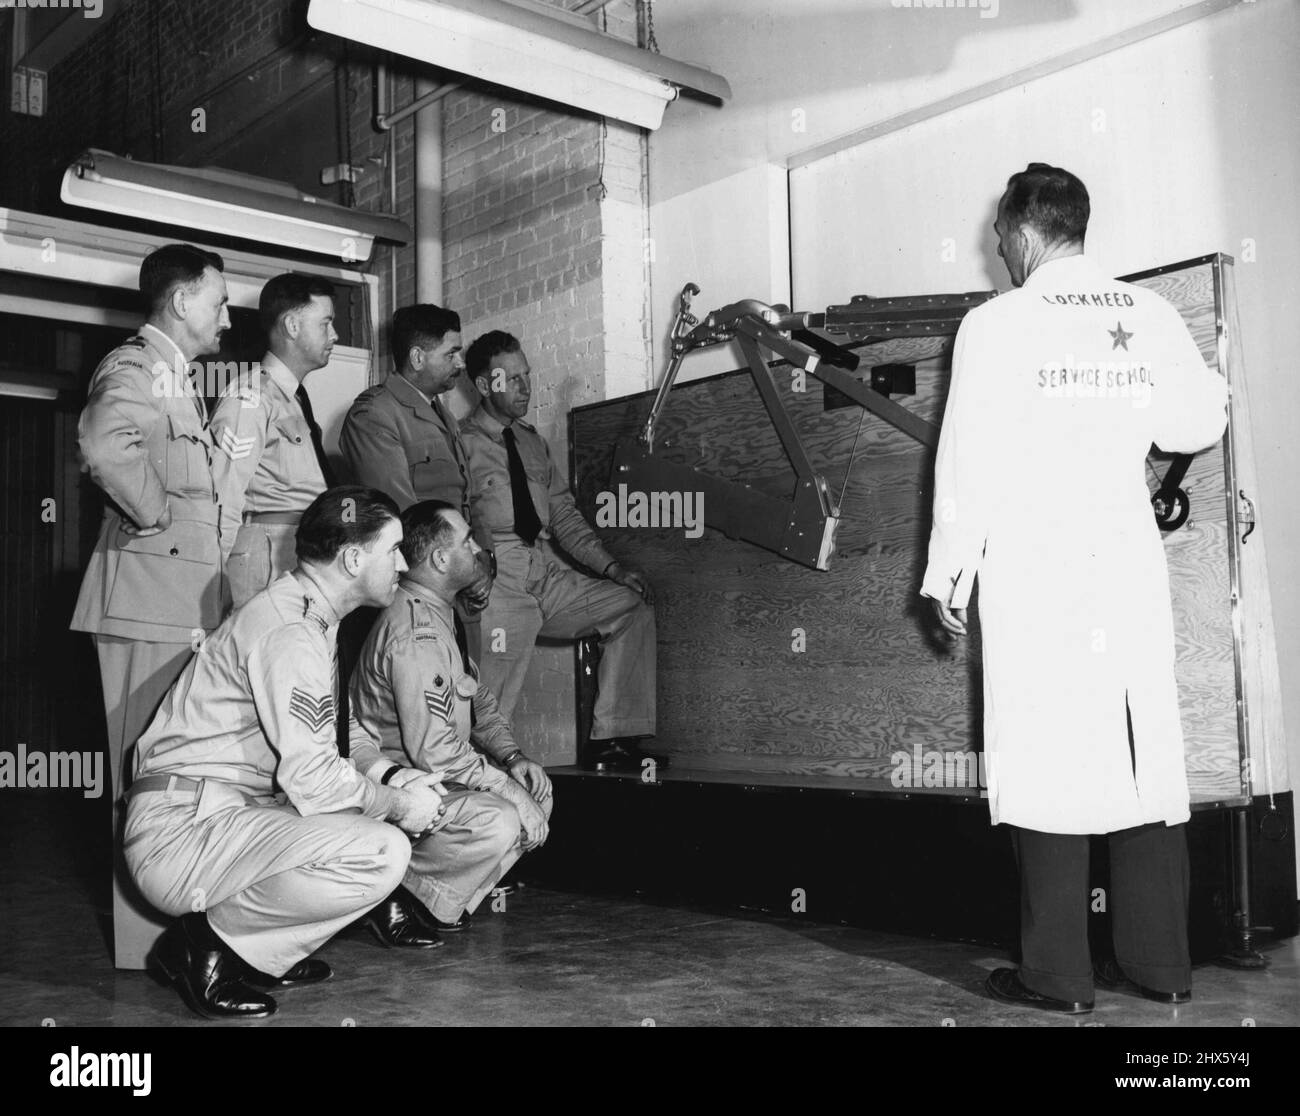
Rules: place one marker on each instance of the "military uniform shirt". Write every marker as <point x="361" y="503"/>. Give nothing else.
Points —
<point x="144" y="439"/>
<point x="254" y="709"/>
<point x="265" y="461"/>
<point x="411" y="693"/>
<point x="493" y="503"/>
<point x="399" y="442"/>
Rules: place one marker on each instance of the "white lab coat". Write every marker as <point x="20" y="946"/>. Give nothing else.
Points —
<point x="1040" y="488"/>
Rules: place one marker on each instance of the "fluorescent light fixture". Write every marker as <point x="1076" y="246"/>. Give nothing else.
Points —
<point x="22" y="389"/>
<point x="523" y="46"/>
<point x="227" y="204"/>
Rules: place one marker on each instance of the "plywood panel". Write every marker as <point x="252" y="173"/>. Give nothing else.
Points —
<point x="1265" y="731"/>
<point x="872" y="679"/>
<point x="1197" y="555"/>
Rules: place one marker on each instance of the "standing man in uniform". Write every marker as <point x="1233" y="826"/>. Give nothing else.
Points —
<point x="1058" y="390"/>
<point x="271" y="462"/>
<point x="398" y="437"/>
<point x="523" y="503"/>
<point x="244" y="821"/>
<point x="152" y="588"/>
<point x="415" y="690"/>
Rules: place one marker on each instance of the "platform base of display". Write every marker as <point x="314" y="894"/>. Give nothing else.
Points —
<point x="919" y="862"/>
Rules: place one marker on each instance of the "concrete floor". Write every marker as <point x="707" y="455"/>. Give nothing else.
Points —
<point x="554" y="959"/>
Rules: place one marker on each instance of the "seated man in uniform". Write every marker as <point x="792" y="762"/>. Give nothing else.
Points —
<point x="522" y="501"/>
<point x="244" y="820"/>
<point x="271" y="462"/>
<point x="415" y="691"/>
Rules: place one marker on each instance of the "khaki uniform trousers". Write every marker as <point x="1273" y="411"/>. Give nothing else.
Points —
<point x="275" y="885"/>
<point x="535" y="594"/>
<point x="262" y="552"/>
<point x="136" y="676"/>
<point x="476" y="842"/>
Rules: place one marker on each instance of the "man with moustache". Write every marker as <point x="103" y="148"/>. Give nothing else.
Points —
<point x="1059" y="388"/>
<point x="271" y="462"/>
<point x="152" y="588"/>
<point x="244" y="821"/>
<point x="415" y="691"/>
<point x="400" y="438"/>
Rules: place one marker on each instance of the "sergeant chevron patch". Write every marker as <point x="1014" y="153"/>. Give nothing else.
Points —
<point x="315" y="713"/>
<point x="441" y="704"/>
<point x="235" y="447"/>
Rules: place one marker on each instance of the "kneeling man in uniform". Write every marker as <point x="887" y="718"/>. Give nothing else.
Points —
<point x="244" y="820"/>
<point x="415" y="691"/>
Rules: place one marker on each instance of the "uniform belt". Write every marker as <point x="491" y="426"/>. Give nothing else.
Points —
<point x="163" y="783"/>
<point x="287" y="518"/>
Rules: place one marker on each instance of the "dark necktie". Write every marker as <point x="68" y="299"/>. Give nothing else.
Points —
<point x="527" y="525"/>
<point x="340" y="702"/>
<point x="462" y="644"/>
<point x="305" y="403"/>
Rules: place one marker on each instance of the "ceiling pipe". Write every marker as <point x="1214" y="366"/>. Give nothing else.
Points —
<point x="428" y="195"/>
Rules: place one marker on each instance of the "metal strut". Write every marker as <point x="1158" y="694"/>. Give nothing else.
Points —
<point x="802" y="529"/>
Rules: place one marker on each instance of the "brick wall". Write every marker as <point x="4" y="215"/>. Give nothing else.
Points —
<point x="132" y="88"/>
<point x="544" y="236"/>
<point x="544" y="210"/>
<point x="241" y="84"/>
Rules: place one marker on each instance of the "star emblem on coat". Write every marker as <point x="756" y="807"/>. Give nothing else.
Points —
<point x="1119" y="337"/>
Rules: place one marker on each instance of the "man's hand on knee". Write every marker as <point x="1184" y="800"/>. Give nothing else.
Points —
<point x="532" y="776"/>
<point x="533" y="823"/>
<point x="475" y="595"/>
<point x="630" y="579"/>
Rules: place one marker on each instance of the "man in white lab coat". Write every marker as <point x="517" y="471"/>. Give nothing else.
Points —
<point x="1058" y="390"/>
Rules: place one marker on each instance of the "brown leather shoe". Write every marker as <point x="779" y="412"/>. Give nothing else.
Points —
<point x="1005" y="985"/>
<point x="209" y="976"/>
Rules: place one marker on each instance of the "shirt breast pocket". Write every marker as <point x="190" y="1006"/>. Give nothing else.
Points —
<point x="297" y="451"/>
<point x="433" y="475"/>
<point x="189" y="465"/>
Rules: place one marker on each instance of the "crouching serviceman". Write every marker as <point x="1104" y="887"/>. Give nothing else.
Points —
<point x="415" y="691"/>
<point x="243" y="819"/>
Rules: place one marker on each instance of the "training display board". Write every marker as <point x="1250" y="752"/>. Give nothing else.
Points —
<point x="766" y="666"/>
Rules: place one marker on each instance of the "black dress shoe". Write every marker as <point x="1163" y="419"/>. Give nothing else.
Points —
<point x="397" y="926"/>
<point x="1108" y="974"/>
<point x="1005" y="985"/>
<point x="449" y="927"/>
<point x="309" y="971"/>
<point x="620" y="753"/>
<point x="421" y="914"/>
<point x="207" y="974"/>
